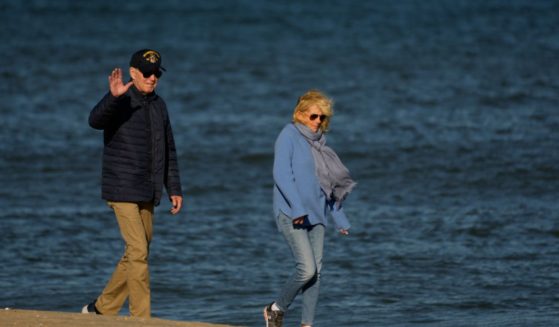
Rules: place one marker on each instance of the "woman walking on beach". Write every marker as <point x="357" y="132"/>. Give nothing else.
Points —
<point x="310" y="181"/>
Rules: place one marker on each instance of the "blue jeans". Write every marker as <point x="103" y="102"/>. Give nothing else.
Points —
<point x="306" y="245"/>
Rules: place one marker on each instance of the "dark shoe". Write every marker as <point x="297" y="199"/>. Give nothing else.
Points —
<point x="90" y="308"/>
<point x="273" y="318"/>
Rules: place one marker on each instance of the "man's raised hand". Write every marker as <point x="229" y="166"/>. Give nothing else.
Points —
<point x="116" y="85"/>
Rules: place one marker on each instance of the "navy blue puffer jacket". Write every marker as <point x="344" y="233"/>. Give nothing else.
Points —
<point x="139" y="155"/>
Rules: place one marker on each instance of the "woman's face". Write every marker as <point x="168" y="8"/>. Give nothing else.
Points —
<point x="312" y="118"/>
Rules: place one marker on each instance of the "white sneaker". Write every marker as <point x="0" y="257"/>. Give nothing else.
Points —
<point x="90" y="308"/>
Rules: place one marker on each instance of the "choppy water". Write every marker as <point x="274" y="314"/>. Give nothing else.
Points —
<point x="446" y="113"/>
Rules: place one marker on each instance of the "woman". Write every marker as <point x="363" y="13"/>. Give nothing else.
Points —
<point x="310" y="181"/>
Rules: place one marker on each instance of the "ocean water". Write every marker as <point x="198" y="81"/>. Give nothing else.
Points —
<point x="446" y="114"/>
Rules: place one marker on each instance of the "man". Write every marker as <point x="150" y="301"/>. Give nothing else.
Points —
<point x="139" y="157"/>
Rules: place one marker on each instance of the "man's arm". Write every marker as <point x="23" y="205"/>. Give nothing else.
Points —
<point x="172" y="178"/>
<point x="101" y="114"/>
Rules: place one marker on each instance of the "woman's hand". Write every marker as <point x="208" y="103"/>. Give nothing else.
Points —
<point x="299" y="221"/>
<point x="344" y="231"/>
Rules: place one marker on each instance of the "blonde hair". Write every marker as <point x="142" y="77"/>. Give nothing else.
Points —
<point x="315" y="97"/>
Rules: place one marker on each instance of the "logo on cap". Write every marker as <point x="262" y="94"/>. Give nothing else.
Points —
<point x="151" y="56"/>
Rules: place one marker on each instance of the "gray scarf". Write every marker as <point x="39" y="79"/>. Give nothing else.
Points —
<point x="333" y="176"/>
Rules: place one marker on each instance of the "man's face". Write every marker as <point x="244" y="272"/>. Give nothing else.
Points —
<point x="145" y="85"/>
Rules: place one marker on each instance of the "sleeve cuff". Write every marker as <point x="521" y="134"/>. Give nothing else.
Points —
<point x="341" y="220"/>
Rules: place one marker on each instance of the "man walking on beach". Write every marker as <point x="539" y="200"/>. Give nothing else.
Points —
<point x="139" y="157"/>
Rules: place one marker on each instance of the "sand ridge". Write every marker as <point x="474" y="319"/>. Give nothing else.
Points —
<point x="21" y="318"/>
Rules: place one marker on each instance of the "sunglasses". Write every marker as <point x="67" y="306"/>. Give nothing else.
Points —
<point x="148" y="75"/>
<point x="315" y="116"/>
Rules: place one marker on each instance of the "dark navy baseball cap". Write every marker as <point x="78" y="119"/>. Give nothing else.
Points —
<point x="147" y="61"/>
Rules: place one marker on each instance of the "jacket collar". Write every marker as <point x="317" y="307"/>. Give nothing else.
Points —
<point x="137" y="95"/>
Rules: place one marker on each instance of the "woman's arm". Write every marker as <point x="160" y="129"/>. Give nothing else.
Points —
<point x="339" y="217"/>
<point x="283" y="174"/>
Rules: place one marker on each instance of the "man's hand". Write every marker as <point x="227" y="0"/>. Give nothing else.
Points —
<point x="299" y="221"/>
<point x="344" y="231"/>
<point x="115" y="83"/>
<point x="176" y="201"/>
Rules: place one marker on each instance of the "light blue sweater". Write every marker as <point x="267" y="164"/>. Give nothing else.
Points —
<point x="297" y="191"/>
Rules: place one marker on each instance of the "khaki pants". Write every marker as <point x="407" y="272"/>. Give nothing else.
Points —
<point x="130" y="278"/>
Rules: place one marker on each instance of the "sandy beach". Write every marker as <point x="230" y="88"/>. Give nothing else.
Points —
<point x="21" y="318"/>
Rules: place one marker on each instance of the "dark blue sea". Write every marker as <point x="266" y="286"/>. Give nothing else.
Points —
<point x="446" y="113"/>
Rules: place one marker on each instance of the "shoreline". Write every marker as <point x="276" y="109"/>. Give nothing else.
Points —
<point x="19" y="317"/>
